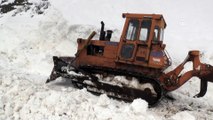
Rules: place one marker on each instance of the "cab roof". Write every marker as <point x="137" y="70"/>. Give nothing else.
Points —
<point x="140" y="16"/>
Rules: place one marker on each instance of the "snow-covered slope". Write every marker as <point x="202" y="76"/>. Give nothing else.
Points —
<point x="29" y="40"/>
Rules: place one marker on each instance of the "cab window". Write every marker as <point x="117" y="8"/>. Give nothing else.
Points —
<point x="161" y="34"/>
<point x="145" y="29"/>
<point x="132" y="30"/>
<point x="156" y="34"/>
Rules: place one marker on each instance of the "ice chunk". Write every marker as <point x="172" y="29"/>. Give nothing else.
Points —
<point x="139" y="106"/>
<point x="103" y="101"/>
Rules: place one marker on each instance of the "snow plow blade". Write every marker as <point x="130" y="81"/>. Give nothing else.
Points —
<point x="59" y="63"/>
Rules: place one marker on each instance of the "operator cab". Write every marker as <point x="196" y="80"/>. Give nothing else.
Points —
<point x="141" y="28"/>
<point x="141" y="41"/>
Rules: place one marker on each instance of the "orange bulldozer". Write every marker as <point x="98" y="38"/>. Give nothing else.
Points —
<point x="140" y="57"/>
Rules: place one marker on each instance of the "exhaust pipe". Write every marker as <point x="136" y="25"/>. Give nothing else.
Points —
<point x="102" y="32"/>
<point x="109" y="35"/>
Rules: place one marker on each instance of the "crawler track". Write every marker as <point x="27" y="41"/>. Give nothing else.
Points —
<point x="85" y="77"/>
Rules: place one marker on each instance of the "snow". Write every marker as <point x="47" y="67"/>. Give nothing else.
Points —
<point x="123" y="81"/>
<point x="28" y="41"/>
<point x="139" y="106"/>
<point x="183" y="116"/>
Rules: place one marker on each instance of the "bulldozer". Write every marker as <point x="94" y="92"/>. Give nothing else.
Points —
<point x="139" y="59"/>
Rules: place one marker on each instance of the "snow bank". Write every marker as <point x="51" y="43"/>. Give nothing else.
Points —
<point x="22" y="99"/>
<point x="32" y="48"/>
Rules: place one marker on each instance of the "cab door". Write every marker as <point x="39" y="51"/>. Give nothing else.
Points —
<point x="127" y="46"/>
<point x="134" y="43"/>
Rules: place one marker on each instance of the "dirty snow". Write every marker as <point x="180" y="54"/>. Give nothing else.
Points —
<point x="183" y="116"/>
<point x="28" y="43"/>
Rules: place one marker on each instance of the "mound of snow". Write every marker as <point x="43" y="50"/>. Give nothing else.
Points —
<point x="183" y="116"/>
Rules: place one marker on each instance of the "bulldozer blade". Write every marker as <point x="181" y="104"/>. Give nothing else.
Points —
<point x="53" y="76"/>
<point x="60" y="65"/>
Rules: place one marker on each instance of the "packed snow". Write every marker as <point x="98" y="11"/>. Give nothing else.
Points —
<point x="29" y="40"/>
